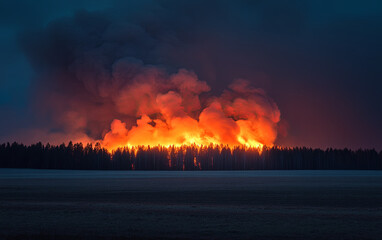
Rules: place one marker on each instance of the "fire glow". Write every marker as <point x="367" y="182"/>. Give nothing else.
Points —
<point x="172" y="114"/>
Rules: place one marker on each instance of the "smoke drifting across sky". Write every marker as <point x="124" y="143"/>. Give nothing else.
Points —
<point x="91" y="63"/>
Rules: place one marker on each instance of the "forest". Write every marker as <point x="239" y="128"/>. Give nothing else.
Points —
<point x="187" y="157"/>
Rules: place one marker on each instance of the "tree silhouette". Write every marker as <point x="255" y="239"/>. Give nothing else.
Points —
<point x="190" y="157"/>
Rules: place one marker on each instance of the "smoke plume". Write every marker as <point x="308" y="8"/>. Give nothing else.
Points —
<point x="115" y="79"/>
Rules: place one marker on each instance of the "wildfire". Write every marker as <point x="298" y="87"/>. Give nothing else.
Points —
<point x="178" y="133"/>
<point x="173" y="115"/>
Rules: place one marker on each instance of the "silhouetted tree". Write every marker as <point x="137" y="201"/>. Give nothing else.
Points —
<point x="192" y="157"/>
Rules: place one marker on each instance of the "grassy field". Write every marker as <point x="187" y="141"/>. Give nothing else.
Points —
<point x="59" y="204"/>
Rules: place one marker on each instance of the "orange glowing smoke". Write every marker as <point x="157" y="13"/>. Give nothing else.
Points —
<point x="169" y="112"/>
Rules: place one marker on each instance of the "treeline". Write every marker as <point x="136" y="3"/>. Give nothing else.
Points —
<point x="213" y="157"/>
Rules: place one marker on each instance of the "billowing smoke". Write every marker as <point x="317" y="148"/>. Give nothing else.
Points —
<point x="115" y="80"/>
<point x="171" y="113"/>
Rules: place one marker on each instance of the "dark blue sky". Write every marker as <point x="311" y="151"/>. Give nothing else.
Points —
<point x="320" y="61"/>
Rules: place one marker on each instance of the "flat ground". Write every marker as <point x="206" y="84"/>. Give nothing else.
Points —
<point x="59" y="204"/>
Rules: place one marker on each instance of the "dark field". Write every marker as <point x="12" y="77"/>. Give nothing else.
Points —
<point x="59" y="204"/>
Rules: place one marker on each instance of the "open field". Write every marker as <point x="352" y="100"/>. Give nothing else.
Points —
<point x="63" y="204"/>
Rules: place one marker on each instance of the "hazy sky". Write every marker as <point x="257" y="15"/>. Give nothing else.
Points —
<point x="320" y="61"/>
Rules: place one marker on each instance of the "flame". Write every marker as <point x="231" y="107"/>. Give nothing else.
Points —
<point x="175" y="116"/>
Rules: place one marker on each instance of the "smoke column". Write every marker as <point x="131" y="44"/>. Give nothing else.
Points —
<point x="113" y="79"/>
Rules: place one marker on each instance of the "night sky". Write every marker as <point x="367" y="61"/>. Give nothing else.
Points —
<point x="320" y="62"/>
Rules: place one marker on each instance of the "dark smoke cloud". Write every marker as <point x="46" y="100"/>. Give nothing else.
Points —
<point x="95" y="67"/>
<point x="319" y="61"/>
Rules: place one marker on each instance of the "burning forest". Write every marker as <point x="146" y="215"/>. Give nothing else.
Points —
<point x="176" y="116"/>
<point x="120" y="81"/>
<point x="93" y="88"/>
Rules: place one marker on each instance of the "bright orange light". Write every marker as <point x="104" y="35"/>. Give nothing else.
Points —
<point x="179" y="132"/>
<point x="243" y="116"/>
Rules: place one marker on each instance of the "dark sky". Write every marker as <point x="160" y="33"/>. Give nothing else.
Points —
<point x="320" y="61"/>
